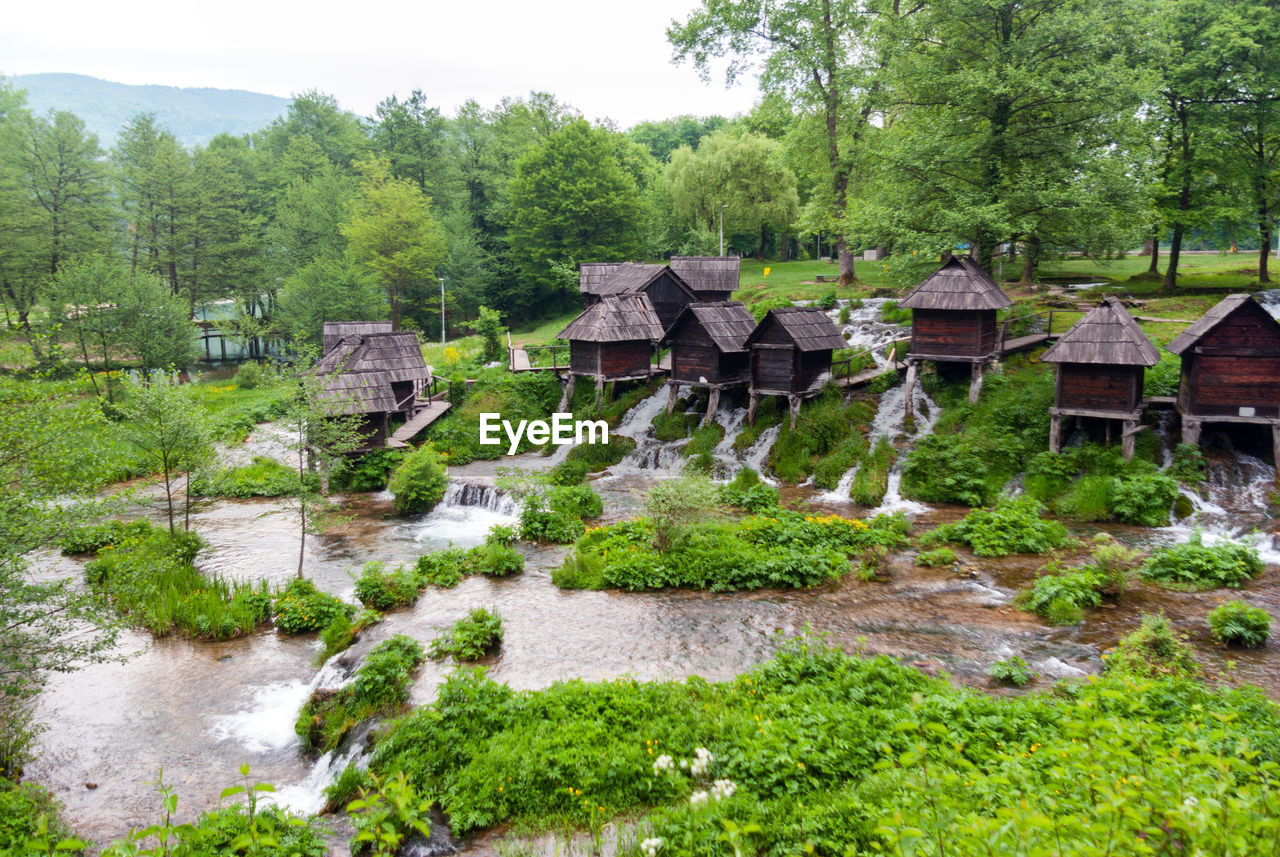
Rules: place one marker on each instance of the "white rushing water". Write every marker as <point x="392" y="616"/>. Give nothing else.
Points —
<point x="465" y="516"/>
<point x="1239" y="491"/>
<point x="867" y="329"/>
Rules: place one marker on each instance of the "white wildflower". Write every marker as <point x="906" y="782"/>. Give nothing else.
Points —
<point x="698" y="799"/>
<point x="651" y="846"/>
<point x="722" y="789"/>
<point x="663" y="763"/>
<point x="701" y="762"/>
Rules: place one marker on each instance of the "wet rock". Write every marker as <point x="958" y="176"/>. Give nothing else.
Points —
<point x="90" y="786"/>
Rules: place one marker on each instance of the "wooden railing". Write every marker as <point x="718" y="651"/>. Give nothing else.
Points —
<point x="1004" y="325"/>
<point x="538" y="357"/>
<point x="428" y="393"/>
<point x="857" y="362"/>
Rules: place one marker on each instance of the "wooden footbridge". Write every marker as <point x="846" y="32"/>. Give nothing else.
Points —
<point x="432" y="406"/>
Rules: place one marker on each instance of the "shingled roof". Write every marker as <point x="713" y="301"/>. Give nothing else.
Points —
<point x="809" y="328"/>
<point x="1207" y="322"/>
<point x="1107" y="334"/>
<point x="960" y="284"/>
<point x="335" y="330"/>
<point x="358" y="393"/>
<point x="708" y="273"/>
<point x="623" y="278"/>
<point x="616" y="318"/>
<point x="397" y="356"/>
<point x="728" y="323"/>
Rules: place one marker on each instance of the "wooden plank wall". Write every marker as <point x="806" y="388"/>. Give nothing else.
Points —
<point x="624" y="358"/>
<point x="691" y="360"/>
<point x="1103" y="388"/>
<point x="667" y="298"/>
<point x="957" y="333"/>
<point x="773" y="368"/>
<point x="584" y="357"/>
<point x="1236" y="365"/>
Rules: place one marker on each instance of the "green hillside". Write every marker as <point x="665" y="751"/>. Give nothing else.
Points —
<point x="194" y="115"/>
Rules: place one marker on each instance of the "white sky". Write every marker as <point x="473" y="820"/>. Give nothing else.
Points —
<point x="605" y="57"/>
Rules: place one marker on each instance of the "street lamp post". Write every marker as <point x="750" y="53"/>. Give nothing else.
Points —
<point x="442" y="312"/>
<point x="722" y="208"/>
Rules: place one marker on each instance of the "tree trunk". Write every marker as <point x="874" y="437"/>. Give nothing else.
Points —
<point x="764" y="239"/>
<point x="839" y="173"/>
<point x="1154" y="267"/>
<point x="1184" y="204"/>
<point x="1031" y="259"/>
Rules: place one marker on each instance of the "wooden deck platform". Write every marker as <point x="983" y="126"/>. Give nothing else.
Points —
<point x="1022" y="343"/>
<point x="418" y="423"/>
<point x="869" y="374"/>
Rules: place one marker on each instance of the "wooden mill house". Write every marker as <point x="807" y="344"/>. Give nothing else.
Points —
<point x="790" y="353"/>
<point x="613" y="340"/>
<point x="1230" y="369"/>
<point x="1099" y="366"/>
<point x="668" y="294"/>
<point x="709" y="349"/>
<point x="712" y="278"/>
<point x="953" y="320"/>
<point x="378" y="374"/>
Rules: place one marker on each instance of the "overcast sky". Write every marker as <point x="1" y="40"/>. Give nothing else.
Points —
<point x="608" y="58"/>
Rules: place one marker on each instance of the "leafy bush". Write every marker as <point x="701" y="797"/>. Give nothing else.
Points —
<point x="784" y="549"/>
<point x="1238" y="624"/>
<point x="369" y="471"/>
<point x="674" y="504"/>
<point x="471" y="638"/>
<point x="380" y="686"/>
<point x="269" y="831"/>
<point x="418" y="482"/>
<point x="848" y="755"/>
<point x="264" y="477"/>
<point x="502" y="534"/>
<point x="746" y="491"/>
<point x="382" y="590"/>
<point x="1012" y="671"/>
<point x="300" y="607"/>
<point x="249" y="375"/>
<point x="444" y="568"/>
<point x="339" y="634"/>
<point x="94" y="537"/>
<point x="598" y="456"/>
<point x="1013" y="526"/>
<point x="1143" y="499"/>
<point x="578" y="501"/>
<point x="539" y="523"/>
<point x="828" y="301"/>
<point x="936" y="557"/>
<point x="1195" y="565"/>
<point x="1060" y="595"/>
<point x="497" y="560"/>
<point x="1188" y="464"/>
<point x="24" y="807"/>
<point x="152" y="579"/>
<point x="872" y="479"/>
<point x="1152" y="651"/>
<point x="825" y="428"/>
<point x="569" y="472"/>
<point x="1162" y="379"/>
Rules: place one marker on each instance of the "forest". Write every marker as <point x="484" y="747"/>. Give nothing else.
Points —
<point x="1022" y="130"/>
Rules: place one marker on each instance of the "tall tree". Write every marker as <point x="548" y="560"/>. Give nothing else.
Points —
<point x="393" y="237"/>
<point x="821" y="54"/>
<point x="415" y="140"/>
<point x="84" y="299"/>
<point x="170" y="433"/>
<point x="155" y="325"/>
<point x="571" y="200"/>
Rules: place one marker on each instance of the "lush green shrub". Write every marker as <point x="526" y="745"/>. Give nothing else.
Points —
<point x="264" y="477"/>
<point x="598" y="456"/>
<point x="872" y="479"/>
<point x="270" y="831"/>
<point x="828" y="301"/>
<point x="369" y="471"/>
<point x="299" y="607"/>
<point x="1059" y="595"/>
<point x="1143" y="499"/>
<point x="846" y="454"/>
<point x="1188" y="463"/>
<point x="502" y="534"/>
<point x="152" y="579"/>
<point x="444" y="568"/>
<point x="891" y="313"/>
<point x="539" y="523"/>
<point x="783" y="549"/>
<point x="569" y="472"/>
<point x="1162" y="379"/>
<point x="475" y="636"/>
<point x="1012" y="671"/>
<point x="382" y="589"/>
<point x="1195" y="565"/>
<point x="249" y="375"/>
<point x="23" y="808"/>
<point x="746" y="491"/>
<point x="824" y="427"/>
<point x="1013" y="526"/>
<point x="380" y="686"/>
<point x="1152" y="651"/>
<point x="846" y="313"/>
<point x="1238" y="624"/>
<point x="936" y="557"/>
<point x="419" y="481"/>
<point x="578" y="501"/>
<point x="846" y="755"/>
<point x="94" y="537"/>
<point x="339" y="634"/>
<point x="673" y="505"/>
<point x="496" y="560"/>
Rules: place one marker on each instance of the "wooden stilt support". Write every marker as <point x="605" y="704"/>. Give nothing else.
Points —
<point x="1190" y="430"/>
<point x="672" y="395"/>
<point x="1128" y="440"/>
<point x="794" y="402"/>
<point x="1055" y="433"/>
<point x="1275" y="448"/>
<point x="1108" y="432"/>
<point x="975" y="383"/>
<point x="751" y="407"/>
<point x="912" y="368"/>
<point x="713" y="404"/>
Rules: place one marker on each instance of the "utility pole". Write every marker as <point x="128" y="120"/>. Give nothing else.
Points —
<point x="442" y="312"/>
<point x="722" y="208"/>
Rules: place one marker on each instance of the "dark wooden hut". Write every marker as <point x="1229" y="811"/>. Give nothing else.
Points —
<point x="709" y="349"/>
<point x="612" y="340"/>
<point x="1230" y="368"/>
<point x="375" y="375"/>
<point x="953" y="320"/>
<point x="334" y="331"/>
<point x="1099" y="369"/>
<point x="712" y="278"/>
<point x="790" y="352"/>
<point x="668" y="294"/>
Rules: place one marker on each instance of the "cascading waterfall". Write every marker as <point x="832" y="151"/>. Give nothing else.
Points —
<point x="650" y="455"/>
<point x="866" y="328"/>
<point x="756" y="455"/>
<point x="1239" y="489"/>
<point x="465" y="515"/>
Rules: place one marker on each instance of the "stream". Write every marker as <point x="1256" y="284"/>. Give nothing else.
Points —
<point x="199" y="710"/>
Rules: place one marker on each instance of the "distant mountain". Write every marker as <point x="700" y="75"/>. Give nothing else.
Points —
<point x="194" y="115"/>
